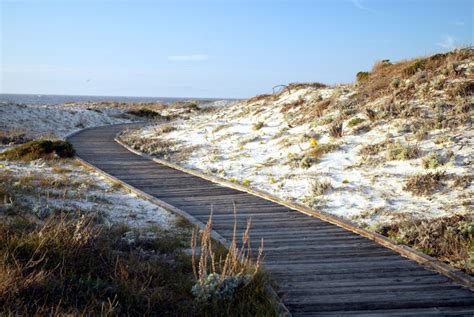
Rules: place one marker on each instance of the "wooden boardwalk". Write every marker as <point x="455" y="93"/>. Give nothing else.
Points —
<point x="321" y="269"/>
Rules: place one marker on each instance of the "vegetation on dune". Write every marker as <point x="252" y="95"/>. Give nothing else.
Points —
<point x="418" y="110"/>
<point x="258" y="125"/>
<point x="335" y="130"/>
<point x="424" y="184"/>
<point x="451" y="239"/>
<point x="148" y="113"/>
<point x="361" y="76"/>
<point x="398" y="151"/>
<point x="39" y="149"/>
<point x="354" y="121"/>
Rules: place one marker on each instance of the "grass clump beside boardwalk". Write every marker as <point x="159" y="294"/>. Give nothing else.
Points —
<point x="39" y="149"/>
<point x="229" y="282"/>
<point x="75" y="267"/>
<point x="450" y="238"/>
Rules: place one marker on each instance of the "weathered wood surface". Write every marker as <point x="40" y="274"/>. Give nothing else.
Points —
<point x="321" y="269"/>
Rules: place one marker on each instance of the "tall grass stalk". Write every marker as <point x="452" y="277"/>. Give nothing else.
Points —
<point x="236" y="263"/>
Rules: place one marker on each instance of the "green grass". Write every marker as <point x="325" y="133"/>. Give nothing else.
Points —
<point x="39" y="149"/>
<point x="355" y="121"/>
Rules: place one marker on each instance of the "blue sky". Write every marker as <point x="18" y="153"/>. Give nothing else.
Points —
<point x="213" y="48"/>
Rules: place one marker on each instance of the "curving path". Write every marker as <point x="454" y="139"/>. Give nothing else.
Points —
<point x="321" y="269"/>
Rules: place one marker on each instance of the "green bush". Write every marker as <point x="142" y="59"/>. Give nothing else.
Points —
<point x="148" y="113"/>
<point x="39" y="149"/>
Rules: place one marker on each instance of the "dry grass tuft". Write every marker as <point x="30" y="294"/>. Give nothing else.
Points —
<point x="424" y="184"/>
<point x="158" y="147"/>
<point x="362" y="76"/>
<point x="335" y="130"/>
<point x="293" y="105"/>
<point x="237" y="261"/>
<point x="166" y="128"/>
<point x="370" y="114"/>
<point x="231" y="274"/>
<point x="373" y="149"/>
<point x="319" y="150"/>
<point x="463" y="181"/>
<point x="260" y="98"/>
<point x="398" y="151"/>
<point x="319" y="187"/>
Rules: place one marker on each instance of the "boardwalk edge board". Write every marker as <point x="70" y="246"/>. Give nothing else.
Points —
<point x="281" y="308"/>
<point x="408" y="252"/>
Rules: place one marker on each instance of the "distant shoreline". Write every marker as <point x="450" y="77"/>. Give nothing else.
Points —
<point x="38" y="99"/>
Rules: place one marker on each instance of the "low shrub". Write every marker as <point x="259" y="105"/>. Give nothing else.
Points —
<point x="354" y="121"/>
<point x="433" y="160"/>
<point x="246" y="182"/>
<point x="144" y="112"/>
<point x="39" y="149"/>
<point x="148" y="113"/>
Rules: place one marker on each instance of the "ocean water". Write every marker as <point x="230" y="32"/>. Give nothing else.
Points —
<point x="59" y="99"/>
